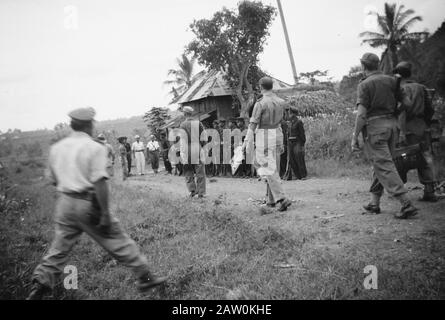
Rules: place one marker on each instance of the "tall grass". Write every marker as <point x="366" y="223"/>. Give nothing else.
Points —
<point x="207" y="251"/>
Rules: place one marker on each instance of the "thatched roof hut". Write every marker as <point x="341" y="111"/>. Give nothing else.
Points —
<point x="310" y="102"/>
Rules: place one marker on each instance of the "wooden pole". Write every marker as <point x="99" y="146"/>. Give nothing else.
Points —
<point x="289" y="48"/>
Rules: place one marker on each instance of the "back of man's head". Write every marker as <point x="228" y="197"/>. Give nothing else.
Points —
<point x="266" y="83"/>
<point x="404" y="69"/>
<point x="370" y="62"/>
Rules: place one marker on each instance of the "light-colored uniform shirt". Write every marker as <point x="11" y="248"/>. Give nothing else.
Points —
<point x="268" y="114"/>
<point x="153" y="146"/>
<point x="137" y="146"/>
<point x="269" y="111"/>
<point x="76" y="163"/>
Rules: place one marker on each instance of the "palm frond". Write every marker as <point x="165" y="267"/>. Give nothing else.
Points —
<point x="376" y="42"/>
<point x="404" y="28"/>
<point x="370" y="34"/>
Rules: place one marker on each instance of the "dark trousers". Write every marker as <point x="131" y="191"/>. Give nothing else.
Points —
<point x="297" y="159"/>
<point x="154" y="159"/>
<point x="129" y="162"/>
<point x="195" y="178"/>
<point x="380" y="142"/>
<point x="167" y="163"/>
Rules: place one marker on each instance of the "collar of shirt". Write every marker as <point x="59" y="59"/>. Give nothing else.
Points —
<point x="373" y="73"/>
<point x="80" y="134"/>
<point x="268" y="93"/>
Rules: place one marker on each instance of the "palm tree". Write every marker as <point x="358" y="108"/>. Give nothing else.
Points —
<point x="394" y="28"/>
<point x="183" y="77"/>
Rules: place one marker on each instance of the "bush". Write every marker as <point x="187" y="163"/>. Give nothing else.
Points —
<point x="329" y="136"/>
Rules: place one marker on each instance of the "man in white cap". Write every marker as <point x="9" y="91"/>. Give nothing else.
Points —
<point x="138" y="150"/>
<point x="194" y="169"/>
<point x="77" y="166"/>
<point x="110" y="153"/>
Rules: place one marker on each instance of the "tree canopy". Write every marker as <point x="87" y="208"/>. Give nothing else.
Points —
<point x="232" y="41"/>
<point x="394" y="26"/>
<point x="183" y="77"/>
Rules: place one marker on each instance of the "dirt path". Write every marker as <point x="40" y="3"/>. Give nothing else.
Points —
<point x="330" y="206"/>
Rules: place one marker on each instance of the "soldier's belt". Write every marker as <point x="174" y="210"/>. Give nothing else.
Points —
<point x="87" y="195"/>
<point x="383" y="116"/>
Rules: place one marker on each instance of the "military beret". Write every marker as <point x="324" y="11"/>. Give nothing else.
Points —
<point x="370" y="58"/>
<point x="187" y="110"/>
<point x="83" y="114"/>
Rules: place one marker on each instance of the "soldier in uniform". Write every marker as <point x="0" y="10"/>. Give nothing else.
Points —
<point x="414" y="122"/>
<point x="266" y="117"/>
<point x="377" y="102"/>
<point x="194" y="173"/>
<point x="82" y="206"/>
<point x="123" y="157"/>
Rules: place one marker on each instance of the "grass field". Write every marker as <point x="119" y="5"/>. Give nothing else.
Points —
<point x="222" y="248"/>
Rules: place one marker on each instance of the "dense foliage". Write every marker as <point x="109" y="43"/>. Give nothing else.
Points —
<point x="232" y="41"/>
<point x="156" y="118"/>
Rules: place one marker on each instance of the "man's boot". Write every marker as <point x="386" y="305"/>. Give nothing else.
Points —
<point x="429" y="194"/>
<point x="284" y="205"/>
<point x="150" y="281"/>
<point x="407" y="210"/>
<point x="374" y="205"/>
<point x="38" y="291"/>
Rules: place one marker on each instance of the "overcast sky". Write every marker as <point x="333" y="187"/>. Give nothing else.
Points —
<point x="116" y="54"/>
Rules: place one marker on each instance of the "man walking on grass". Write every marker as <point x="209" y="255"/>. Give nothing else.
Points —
<point x="265" y="124"/>
<point x="77" y="166"/>
<point x="414" y="124"/>
<point x="378" y="95"/>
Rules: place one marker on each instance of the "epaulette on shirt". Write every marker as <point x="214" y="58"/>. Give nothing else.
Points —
<point x="363" y="79"/>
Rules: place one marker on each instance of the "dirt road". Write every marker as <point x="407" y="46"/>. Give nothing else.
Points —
<point x="331" y="205"/>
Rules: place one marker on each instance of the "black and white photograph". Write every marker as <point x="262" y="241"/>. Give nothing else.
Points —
<point x="214" y="157"/>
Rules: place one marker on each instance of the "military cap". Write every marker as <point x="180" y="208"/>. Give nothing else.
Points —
<point x="187" y="110"/>
<point x="83" y="114"/>
<point x="266" y="82"/>
<point x="137" y="137"/>
<point x="370" y="58"/>
<point x="101" y="136"/>
<point x="403" y="68"/>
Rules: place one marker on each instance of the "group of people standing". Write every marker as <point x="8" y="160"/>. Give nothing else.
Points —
<point x="136" y="153"/>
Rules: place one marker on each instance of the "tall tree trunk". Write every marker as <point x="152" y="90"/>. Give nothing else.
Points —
<point x="394" y="58"/>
